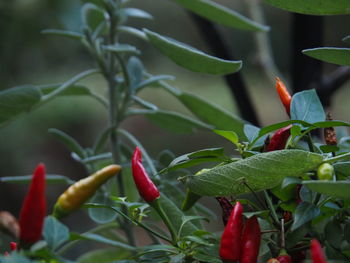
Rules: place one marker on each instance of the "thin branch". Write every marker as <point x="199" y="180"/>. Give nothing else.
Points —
<point x="235" y="81"/>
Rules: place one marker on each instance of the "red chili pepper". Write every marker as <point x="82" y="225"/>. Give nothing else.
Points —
<point x="31" y="219"/>
<point x="230" y="245"/>
<point x="284" y="259"/>
<point x="13" y="246"/>
<point x="317" y="254"/>
<point x="279" y="139"/>
<point x="144" y="184"/>
<point x="250" y="241"/>
<point x="285" y="97"/>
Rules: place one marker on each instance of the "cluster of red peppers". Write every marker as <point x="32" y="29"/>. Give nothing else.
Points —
<point x="240" y="241"/>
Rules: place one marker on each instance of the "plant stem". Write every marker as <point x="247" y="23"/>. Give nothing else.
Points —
<point x="272" y="209"/>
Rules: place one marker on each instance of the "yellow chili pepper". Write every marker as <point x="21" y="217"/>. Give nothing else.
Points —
<point x="78" y="193"/>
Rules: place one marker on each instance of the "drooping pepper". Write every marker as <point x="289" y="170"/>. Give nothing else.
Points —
<point x="230" y="245"/>
<point x="279" y="139"/>
<point x="78" y="193"/>
<point x="144" y="184"/>
<point x="250" y="241"/>
<point x="226" y="207"/>
<point x="317" y="254"/>
<point x="284" y="95"/>
<point x="31" y="219"/>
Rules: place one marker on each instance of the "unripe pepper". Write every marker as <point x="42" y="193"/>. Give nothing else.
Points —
<point x="279" y="139"/>
<point x="144" y="184"/>
<point x="317" y="254"/>
<point x="325" y="171"/>
<point x="230" y="245"/>
<point x="78" y="193"/>
<point x="250" y="241"/>
<point x="285" y="97"/>
<point x="31" y="219"/>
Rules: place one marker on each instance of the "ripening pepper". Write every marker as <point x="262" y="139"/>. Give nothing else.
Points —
<point x="226" y="207"/>
<point x="31" y="219"/>
<point x="279" y="139"/>
<point x="78" y="193"/>
<point x="230" y="245"/>
<point x="250" y="241"/>
<point x="284" y="259"/>
<point x="284" y="95"/>
<point x="13" y="246"/>
<point x="147" y="189"/>
<point x="317" y="254"/>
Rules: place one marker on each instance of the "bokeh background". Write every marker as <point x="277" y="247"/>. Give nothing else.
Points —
<point x="29" y="57"/>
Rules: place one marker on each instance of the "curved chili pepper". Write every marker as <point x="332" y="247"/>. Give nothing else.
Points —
<point x="144" y="184"/>
<point x="226" y="207"/>
<point x="285" y="97"/>
<point x="317" y="254"/>
<point x="279" y="139"/>
<point x="250" y="241"/>
<point x="31" y="219"/>
<point x="78" y="193"/>
<point x="230" y="245"/>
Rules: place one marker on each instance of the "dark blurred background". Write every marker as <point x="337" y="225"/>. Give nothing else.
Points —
<point x="29" y="57"/>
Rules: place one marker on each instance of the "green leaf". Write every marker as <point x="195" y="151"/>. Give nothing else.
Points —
<point x="306" y="106"/>
<point x="122" y="48"/>
<point x="221" y="14"/>
<point x="176" y="215"/>
<point x="135" y="72"/>
<point x="92" y="15"/>
<point x="69" y="142"/>
<point x="187" y="219"/>
<point x="73" y="90"/>
<point x="342" y="168"/>
<point x="26" y="179"/>
<point x="102" y="139"/>
<point x="154" y="80"/>
<point x="105" y="255"/>
<point x="339" y="56"/>
<point x="16" y="101"/>
<point x="63" y="33"/>
<point x="176" y="122"/>
<point x="55" y="233"/>
<point x="313" y="7"/>
<point x="100" y="239"/>
<point x="259" y="172"/>
<point x="304" y="213"/>
<point x="229" y="135"/>
<point x="209" y="112"/>
<point x="191" y="58"/>
<point x="195" y="158"/>
<point x="334" y="233"/>
<point x="102" y="215"/>
<point x="139" y="13"/>
<point x="132" y="31"/>
<point x="338" y="189"/>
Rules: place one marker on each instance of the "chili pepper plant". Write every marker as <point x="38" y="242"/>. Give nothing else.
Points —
<point x="282" y="188"/>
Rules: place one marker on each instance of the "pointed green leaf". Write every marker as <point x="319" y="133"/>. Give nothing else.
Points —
<point x="338" y="189"/>
<point x="191" y="58"/>
<point x="92" y="15"/>
<point x="304" y="213"/>
<point x="306" y="106"/>
<point x="63" y="33"/>
<point x="313" y="7"/>
<point x="135" y="72"/>
<point x="55" y="233"/>
<point x="100" y="239"/>
<point x="16" y="101"/>
<point x="339" y="56"/>
<point x="139" y="13"/>
<point x="176" y="122"/>
<point x="209" y="112"/>
<point x="221" y="15"/>
<point x="73" y="90"/>
<point x="69" y="142"/>
<point x="229" y="135"/>
<point x="132" y="31"/>
<point x="342" y="168"/>
<point x="122" y="48"/>
<point x="259" y="172"/>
